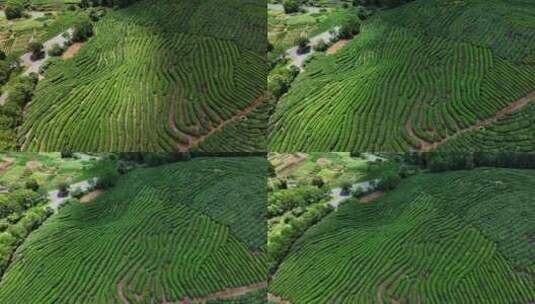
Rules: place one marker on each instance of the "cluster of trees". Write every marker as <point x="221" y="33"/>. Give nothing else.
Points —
<point x="295" y="225"/>
<point x="285" y="200"/>
<point x="13" y="9"/>
<point x="290" y="6"/>
<point x="279" y="83"/>
<point x="20" y="214"/>
<point x="438" y="161"/>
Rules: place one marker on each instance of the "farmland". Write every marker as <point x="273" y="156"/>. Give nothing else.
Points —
<point x="149" y="81"/>
<point x="450" y="237"/>
<point x="418" y="76"/>
<point x="186" y="231"/>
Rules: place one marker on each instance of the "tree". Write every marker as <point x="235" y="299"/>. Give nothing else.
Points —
<point x="2" y="55"/>
<point x="271" y="170"/>
<point x="389" y="182"/>
<point x="302" y="45"/>
<point x="13" y="10"/>
<point x="66" y="154"/>
<point x="63" y="189"/>
<point x="290" y="6"/>
<point x="349" y="29"/>
<point x="37" y="50"/>
<point x="32" y="184"/>
<point x="318" y="181"/>
<point x="346" y="188"/>
<point x="82" y="31"/>
<point x="107" y="180"/>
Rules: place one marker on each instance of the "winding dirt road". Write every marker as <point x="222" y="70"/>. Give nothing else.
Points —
<point x="426" y="146"/>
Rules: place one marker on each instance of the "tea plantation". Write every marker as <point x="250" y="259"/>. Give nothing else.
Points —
<point x="169" y="233"/>
<point x="454" y="237"/>
<point x="159" y="75"/>
<point x="416" y="76"/>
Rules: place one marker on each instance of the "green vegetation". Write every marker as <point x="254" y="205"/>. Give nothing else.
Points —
<point x="165" y="233"/>
<point x="174" y="83"/>
<point x="451" y="237"/>
<point x="416" y="75"/>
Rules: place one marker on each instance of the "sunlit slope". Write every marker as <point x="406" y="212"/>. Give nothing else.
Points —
<point x="458" y="237"/>
<point x="159" y="75"/>
<point x="415" y="76"/>
<point x="161" y="234"/>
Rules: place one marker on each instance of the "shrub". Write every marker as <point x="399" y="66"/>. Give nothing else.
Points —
<point x="349" y="29"/>
<point x="321" y="46"/>
<point x="66" y="154"/>
<point x="13" y="10"/>
<point x="77" y="193"/>
<point x="107" y="180"/>
<point x="389" y="182"/>
<point x="55" y="50"/>
<point x="346" y="188"/>
<point x="290" y="6"/>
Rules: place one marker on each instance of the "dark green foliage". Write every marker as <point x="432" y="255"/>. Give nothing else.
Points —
<point x="37" y="50"/>
<point x="56" y="50"/>
<point x="288" y="199"/>
<point x="290" y="6"/>
<point x="467" y="228"/>
<point x="32" y="184"/>
<point x="13" y="10"/>
<point x="82" y="31"/>
<point x="107" y="180"/>
<point x="321" y="46"/>
<point x="195" y="228"/>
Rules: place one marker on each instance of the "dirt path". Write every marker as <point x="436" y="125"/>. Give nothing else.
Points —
<point x="56" y="201"/>
<point x="275" y="298"/>
<point x="90" y="196"/>
<point x="337" y="46"/>
<point x="226" y="293"/>
<point x="196" y="141"/>
<point x="72" y="50"/>
<point x="370" y="196"/>
<point x="426" y="146"/>
<point x="5" y="164"/>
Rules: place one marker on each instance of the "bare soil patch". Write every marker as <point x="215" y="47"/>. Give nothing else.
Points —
<point x="33" y="165"/>
<point x="5" y="164"/>
<point x="323" y="162"/>
<point x="277" y="299"/>
<point x="371" y="196"/>
<point x="90" y="196"/>
<point x="337" y="46"/>
<point x="72" y="50"/>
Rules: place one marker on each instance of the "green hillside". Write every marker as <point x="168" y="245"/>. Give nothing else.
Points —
<point x="454" y="237"/>
<point x="168" y="233"/>
<point x="159" y="75"/>
<point x="417" y="76"/>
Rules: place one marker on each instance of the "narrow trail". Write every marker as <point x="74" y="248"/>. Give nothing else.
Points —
<point x="193" y="141"/>
<point x="426" y="146"/>
<point x="227" y="293"/>
<point x="277" y="299"/>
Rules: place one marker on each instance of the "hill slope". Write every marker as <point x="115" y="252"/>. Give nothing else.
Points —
<point x="160" y="235"/>
<point x="416" y="75"/>
<point x="455" y="237"/>
<point x="160" y="75"/>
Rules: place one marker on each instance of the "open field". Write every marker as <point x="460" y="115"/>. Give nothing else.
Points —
<point x="451" y="237"/>
<point x="418" y="76"/>
<point x="186" y="231"/>
<point x="174" y="84"/>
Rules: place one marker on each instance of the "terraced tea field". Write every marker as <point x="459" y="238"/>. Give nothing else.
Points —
<point x="159" y="75"/>
<point x="415" y="77"/>
<point x="454" y="237"/>
<point x="189" y="230"/>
